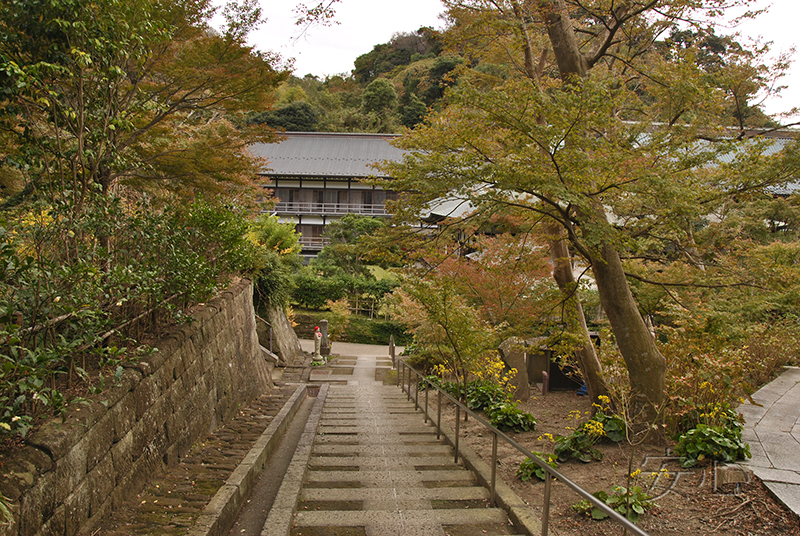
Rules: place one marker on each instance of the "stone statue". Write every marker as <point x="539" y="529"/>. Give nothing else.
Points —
<point x="317" y="357"/>
<point x="325" y="347"/>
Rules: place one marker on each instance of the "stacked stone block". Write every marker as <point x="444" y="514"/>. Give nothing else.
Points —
<point x="71" y="473"/>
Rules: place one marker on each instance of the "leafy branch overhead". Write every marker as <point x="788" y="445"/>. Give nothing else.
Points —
<point x="147" y="94"/>
<point x="608" y="131"/>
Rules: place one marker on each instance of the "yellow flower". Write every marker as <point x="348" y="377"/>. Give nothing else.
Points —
<point x="594" y="429"/>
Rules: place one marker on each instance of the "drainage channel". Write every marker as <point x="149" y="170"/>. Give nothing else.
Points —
<point x="254" y="512"/>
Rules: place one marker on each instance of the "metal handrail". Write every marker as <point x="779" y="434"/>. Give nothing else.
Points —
<point x="552" y="473"/>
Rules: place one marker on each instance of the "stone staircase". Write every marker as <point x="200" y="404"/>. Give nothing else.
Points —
<point x="376" y="469"/>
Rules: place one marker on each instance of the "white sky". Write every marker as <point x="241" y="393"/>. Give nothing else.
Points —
<point x="363" y="24"/>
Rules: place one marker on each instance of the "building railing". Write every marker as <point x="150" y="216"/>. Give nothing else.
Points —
<point x="313" y="242"/>
<point x="415" y="378"/>
<point x="375" y="209"/>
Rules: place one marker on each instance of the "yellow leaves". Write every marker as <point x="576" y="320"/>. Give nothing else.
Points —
<point x="41" y="218"/>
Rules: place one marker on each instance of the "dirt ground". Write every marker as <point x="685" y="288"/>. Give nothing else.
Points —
<point x="686" y="501"/>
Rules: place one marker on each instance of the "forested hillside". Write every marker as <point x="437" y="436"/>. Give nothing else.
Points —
<point x="397" y="83"/>
<point x="390" y="87"/>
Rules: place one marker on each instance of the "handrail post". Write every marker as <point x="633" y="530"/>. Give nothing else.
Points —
<point x="401" y="377"/>
<point x="416" y="390"/>
<point x="494" y="470"/>
<point x="548" y="483"/>
<point x="458" y="422"/>
<point x="426" y="402"/>
<point x="439" y="414"/>
<point x="551" y="474"/>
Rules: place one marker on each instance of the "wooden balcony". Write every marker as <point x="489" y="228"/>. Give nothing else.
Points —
<point x="330" y="209"/>
<point x="313" y="243"/>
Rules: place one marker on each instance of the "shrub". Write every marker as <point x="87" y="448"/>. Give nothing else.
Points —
<point x="580" y="443"/>
<point x="424" y="361"/>
<point x="482" y="394"/>
<point x="79" y="286"/>
<point x="630" y="502"/>
<point x="508" y="417"/>
<point x="451" y="388"/>
<point x="718" y="438"/>
<point x="370" y="331"/>
<point x="529" y="469"/>
<point x="613" y="425"/>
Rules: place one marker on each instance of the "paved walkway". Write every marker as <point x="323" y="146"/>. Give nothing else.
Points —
<point x="772" y="427"/>
<point x="375" y="468"/>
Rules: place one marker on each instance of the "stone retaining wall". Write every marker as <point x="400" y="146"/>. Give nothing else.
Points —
<point x="71" y="473"/>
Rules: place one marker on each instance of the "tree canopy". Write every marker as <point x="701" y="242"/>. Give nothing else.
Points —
<point x="124" y="177"/>
<point x="617" y="140"/>
<point x="141" y="93"/>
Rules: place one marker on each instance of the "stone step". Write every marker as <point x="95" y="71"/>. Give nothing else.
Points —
<point x="382" y="522"/>
<point x="378" y="439"/>
<point x="380" y="460"/>
<point x="391" y="450"/>
<point x="367" y="428"/>
<point x="352" y="419"/>
<point x="369" y="494"/>
<point x="376" y="468"/>
<point x="390" y="478"/>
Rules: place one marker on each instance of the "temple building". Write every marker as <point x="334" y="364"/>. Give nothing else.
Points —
<point x="317" y="178"/>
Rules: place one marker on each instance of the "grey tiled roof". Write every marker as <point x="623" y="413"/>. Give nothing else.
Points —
<point x="324" y="154"/>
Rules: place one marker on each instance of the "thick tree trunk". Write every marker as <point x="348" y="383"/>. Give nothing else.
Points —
<point x="565" y="278"/>
<point x="646" y="365"/>
<point x="571" y="62"/>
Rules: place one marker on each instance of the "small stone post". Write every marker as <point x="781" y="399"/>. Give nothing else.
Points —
<point x="325" y="347"/>
<point x="317" y="358"/>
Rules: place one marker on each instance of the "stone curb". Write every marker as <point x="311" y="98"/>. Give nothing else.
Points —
<point x="218" y="516"/>
<point x="520" y="513"/>
<point x="279" y="520"/>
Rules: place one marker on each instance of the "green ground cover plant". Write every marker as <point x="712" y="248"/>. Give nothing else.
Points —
<point x="506" y="416"/>
<point x="717" y="437"/>
<point x="528" y="469"/>
<point x="579" y="444"/>
<point x="630" y="502"/>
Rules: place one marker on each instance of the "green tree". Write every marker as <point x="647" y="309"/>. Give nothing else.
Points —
<point x="443" y="322"/>
<point x="113" y="92"/>
<point x="402" y="49"/>
<point x="294" y="117"/>
<point x="345" y="252"/>
<point x="279" y="246"/>
<point x="597" y="133"/>
<point x="413" y="113"/>
<point x="379" y="97"/>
